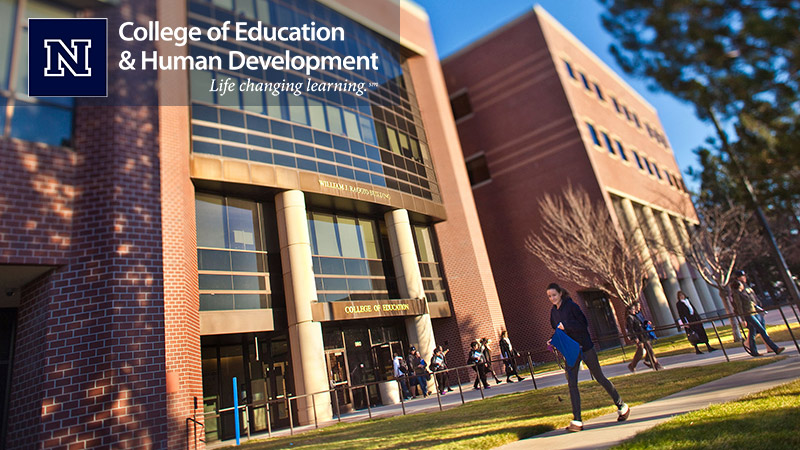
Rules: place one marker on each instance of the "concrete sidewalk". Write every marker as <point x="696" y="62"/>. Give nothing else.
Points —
<point x="547" y="379"/>
<point x="605" y="431"/>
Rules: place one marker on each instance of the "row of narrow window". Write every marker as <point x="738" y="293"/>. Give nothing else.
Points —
<point x="615" y="147"/>
<point x="631" y="116"/>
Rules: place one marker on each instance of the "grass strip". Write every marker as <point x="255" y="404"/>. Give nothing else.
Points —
<point x="506" y="418"/>
<point x="766" y="420"/>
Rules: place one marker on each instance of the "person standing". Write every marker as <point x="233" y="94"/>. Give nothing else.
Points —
<point x="687" y="314"/>
<point x="487" y="356"/>
<point x="747" y="306"/>
<point x="421" y="371"/>
<point x="413" y="384"/>
<point x="400" y="369"/>
<point x="478" y="365"/>
<point x="567" y="316"/>
<point x="635" y="325"/>
<point x="508" y="354"/>
<point x="438" y="367"/>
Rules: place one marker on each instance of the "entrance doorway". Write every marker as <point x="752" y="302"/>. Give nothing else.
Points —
<point x="601" y="317"/>
<point x="357" y="354"/>
<point x="261" y="364"/>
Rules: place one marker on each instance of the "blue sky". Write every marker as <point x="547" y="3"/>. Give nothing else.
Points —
<point x="456" y="23"/>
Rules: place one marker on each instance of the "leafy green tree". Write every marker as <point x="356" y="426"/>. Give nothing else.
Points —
<point x="738" y="63"/>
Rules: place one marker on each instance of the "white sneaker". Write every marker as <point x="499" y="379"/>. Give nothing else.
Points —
<point x="623" y="413"/>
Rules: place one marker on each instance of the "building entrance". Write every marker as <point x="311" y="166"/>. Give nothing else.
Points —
<point x="601" y="317"/>
<point x="261" y="364"/>
<point x="358" y="353"/>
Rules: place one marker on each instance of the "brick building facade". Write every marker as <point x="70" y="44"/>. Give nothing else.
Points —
<point x="537" y="111"/>
<point x="153" y="249"/>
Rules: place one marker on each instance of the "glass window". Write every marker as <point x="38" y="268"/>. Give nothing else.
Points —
<point x="274" y="106"/>
<point x="616" y="104"/>
<point x="368" y="238"/>
<point x="599" y="92"/>
<point x="349" y="237"/>
<point x="593" y="132"/>
<point x="243" y="225"/>
<point x="351" y="123"/>
<point x="638" y="160"/>
<point x="608" y="143"/>
<point x="334" y="119"/>
<point x="253" y="101"/>
<point x="317" y="114"/>
<point x="658" y="172"/>
<point x="424" y="244"/>
<point x="461" y="105"/>
<point x="200" y="84"/>
<point x="585" y="82"/>
<point x="297" y="109"/>
<point x="40" y="123"/>
<point x="325" y="242"/>
<point x="570" y="71"/>
<point x="478" y="170"/>
<point x="621" y="151"/>
<point x="230" y="99"/>
<point x="211" y="224"/>
<point x="647" y="165"/>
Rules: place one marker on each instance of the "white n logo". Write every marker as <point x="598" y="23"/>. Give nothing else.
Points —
<point x="75" y="59"/>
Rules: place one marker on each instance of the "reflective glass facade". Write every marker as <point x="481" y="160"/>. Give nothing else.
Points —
<point x="376" y="138"/>
<point x="237" y="249"/>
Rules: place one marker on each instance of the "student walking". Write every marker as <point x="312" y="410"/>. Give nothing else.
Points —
<point x="687" y="314"/>
<point x="567" y="316"/>
<point x="478" y="365"/>
<point x="508" y="354"/>
<point x="637" y="329"/>
<point x="438" y="367"/>
<point x="747" y="305"/>
<point x="400" y="369"/>
<point x="487" y="356"/>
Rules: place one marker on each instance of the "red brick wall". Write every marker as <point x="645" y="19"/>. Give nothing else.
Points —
<point x="91" y="334"/>
<point x="524" y="126"/>
<point x="465" y="261"/>
<point x="181" y="296"/>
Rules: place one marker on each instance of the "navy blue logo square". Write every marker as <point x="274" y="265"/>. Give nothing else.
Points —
<point x="68" y="57"/>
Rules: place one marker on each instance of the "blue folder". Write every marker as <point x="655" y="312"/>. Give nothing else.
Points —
<point x="567" y="346"/>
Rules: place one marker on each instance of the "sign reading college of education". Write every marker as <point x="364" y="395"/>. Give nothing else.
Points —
<point x="68" y="57"/>
<point x="343" y="310"/>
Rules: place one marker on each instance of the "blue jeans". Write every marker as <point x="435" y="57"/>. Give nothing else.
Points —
<point x="404" y="385"/>
<point x="754" y="326"/>
<point x="422" y="380"/>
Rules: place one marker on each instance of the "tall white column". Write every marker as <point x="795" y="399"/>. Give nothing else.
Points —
<point x="305" y="335"/>
<point x="653" y="291"/>
<point x="703" y="289"/>
<point x="687" y="284"/>
<point x="409" y="279"/>
<point x="670" y="283"/>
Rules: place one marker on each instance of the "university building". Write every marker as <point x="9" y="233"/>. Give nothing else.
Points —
<point x="537" y="111"/>
<point x="156" y="245"/>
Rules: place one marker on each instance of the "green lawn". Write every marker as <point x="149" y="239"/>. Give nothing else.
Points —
<point x="502" y="419"/>
<point x="767" y="420"/>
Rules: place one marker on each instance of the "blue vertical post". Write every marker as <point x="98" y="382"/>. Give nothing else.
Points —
<point x="236" y="409"/>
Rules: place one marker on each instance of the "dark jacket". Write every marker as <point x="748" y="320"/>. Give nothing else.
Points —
<point x="505" y="350"/>
<point x="683" y="312"/>
<point x="575" y="324"/>
<point x="746" y="301"/>
<point x="634" y="323"/>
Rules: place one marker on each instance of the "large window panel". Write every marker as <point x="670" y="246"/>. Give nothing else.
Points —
<point x="243" y="225"/>
<point x="349" y="237"/>
<point x="211" y="224"/>
<point x="325" y="242"/>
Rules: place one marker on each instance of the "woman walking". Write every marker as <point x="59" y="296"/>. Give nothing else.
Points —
<point x="487" y="355"/>
<point x="568" y="317"/>
<point x="637" y="330"/>
<point x="508" y="354"/>
<point x="687" y="314"/>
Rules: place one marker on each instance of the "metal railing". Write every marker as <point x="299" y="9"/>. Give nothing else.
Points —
<point x="436" y="376"/>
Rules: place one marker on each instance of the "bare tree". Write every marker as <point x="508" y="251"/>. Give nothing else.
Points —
<point x="579" y="242"/>
<point x="715" y="246"/>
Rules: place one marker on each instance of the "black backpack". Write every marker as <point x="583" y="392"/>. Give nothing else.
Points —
<point x="403" y="367"/>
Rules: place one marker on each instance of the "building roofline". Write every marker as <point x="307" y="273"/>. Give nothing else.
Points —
<point x="406" y="5"/>
<point x="489" y="35"/>
<point x="542" y="13"/>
